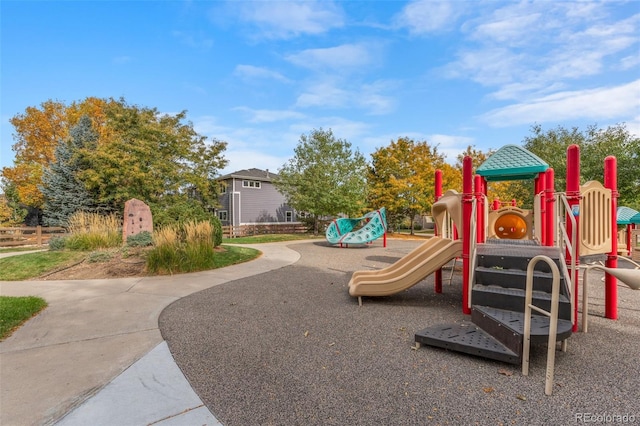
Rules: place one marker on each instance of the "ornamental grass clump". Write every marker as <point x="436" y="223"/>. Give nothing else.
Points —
<point x="91" y="231"/>
<point x="184" y="248"/>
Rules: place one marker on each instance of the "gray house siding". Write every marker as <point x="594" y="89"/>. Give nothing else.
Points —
<point x="258" y="201"/>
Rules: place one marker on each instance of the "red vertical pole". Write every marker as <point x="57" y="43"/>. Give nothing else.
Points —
<point x="438" y="194"/>
<point x="479" y="195"/>
<point x="610" y="282"/>
<point x="539" y="188"/>
<point x="549" y="199"/>
<point x="573" y="198"/>
<point x="496" y="203"/>
<point x="467" y="200"/>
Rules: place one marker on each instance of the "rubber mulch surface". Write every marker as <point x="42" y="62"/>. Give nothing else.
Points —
<point x="291" y="347"/>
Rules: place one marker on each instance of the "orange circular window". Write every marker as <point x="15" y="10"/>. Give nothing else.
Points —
<point x="510" y="226"/>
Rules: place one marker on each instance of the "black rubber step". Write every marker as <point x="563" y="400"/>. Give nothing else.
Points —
<point x="512" y="299"/>
<point x="469" y="339"/>
<point x="516" y="278"/>
<point x="515" y="322"/>
<point x="515" y="256"/>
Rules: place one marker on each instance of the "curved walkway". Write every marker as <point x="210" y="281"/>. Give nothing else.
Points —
<point x="91" y="332"/>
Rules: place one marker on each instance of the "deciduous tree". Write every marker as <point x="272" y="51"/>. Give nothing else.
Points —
<point x="325" y="177"/>
<point x="401" y="178"/>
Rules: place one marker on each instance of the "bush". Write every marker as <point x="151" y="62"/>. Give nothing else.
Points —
<point x="217" y="231"/>
<point x="142" y="239"/>
<point x="57" y="243"/>
<point x="91" y="231"/>
<point x="182" y="248"/>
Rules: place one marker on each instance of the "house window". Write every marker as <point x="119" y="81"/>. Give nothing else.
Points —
<point x="251" y="184"/>
<point x="222" y="215"/>
<point x="223" y="188"/>
<point x="288" y="216"/>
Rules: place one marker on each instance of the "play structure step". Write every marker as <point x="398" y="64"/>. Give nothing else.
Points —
<point x="467" y="338"/>
<point x="485" y="317"/>
<point x="512" y="299"/>
<point x="507" y="256"/>
<point x="515" y="278"/>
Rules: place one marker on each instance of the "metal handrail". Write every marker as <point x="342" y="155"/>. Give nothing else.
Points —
<point x="553" y="320"/>
<point x="473" y="244"/>
<point x="566" y="243"/>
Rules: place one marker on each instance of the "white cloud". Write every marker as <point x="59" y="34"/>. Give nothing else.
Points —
<point x="427" y="16"/>
<point x="253" y="72"/>
<point x="247" y="159"/>
<point x="620" y="102"/>
<point x="270" y="115"/>
<point x="346" y="56"/>
<point x="287" y="19"/>
<point x="331" y="94"/>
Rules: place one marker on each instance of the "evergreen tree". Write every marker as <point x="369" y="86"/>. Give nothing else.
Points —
<point x="63" y="192"/>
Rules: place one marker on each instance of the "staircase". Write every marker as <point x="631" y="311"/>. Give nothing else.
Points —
<point x="497" y="313"/>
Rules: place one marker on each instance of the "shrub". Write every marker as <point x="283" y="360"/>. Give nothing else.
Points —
<point x="142" y="239"/>
<point x="57" y="243"/>
<point x="185" y="248"/>
<point x="90" y="231"/>
<point x="217" y="231"/>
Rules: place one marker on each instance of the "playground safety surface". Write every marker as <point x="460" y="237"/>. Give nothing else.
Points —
<point x="291" y="346"/>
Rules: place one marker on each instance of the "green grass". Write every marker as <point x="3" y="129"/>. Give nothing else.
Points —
<point x="25" y="266"/>
<point x="233" y="255"/>
<point x="14" y="311"/>
<point x="270" y="238"/>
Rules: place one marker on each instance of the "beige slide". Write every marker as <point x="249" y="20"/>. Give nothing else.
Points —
<point x="408" y="271"/>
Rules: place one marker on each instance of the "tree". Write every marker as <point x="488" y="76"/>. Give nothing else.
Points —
<point x="64" y="194"/>
<point x="325" y="177"/>
<point x="37" y="133"/>
<point x="402" y="178"/>
<point x="139" y="153"/>
<point x="595" y="145"/>
<point x="154" y="157"/>
<point x="11" y="213"/>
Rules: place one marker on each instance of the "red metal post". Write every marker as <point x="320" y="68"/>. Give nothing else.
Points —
<point x="539" y="189"/>
<point x="438" y="194"/>
<point x="573" y="198"/>
<point x="496" y="203"/>
<point x="479" y="194"/>
<point x="610" y="282"/>
<point x="549" y="199"/>
<point x="467" y="200"/>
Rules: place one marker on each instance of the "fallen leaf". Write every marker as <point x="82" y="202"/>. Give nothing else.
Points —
<point x="488" y="389"/>
<point x="332" y="344"/>
<point x="306" y="333"/>
<point x="505" y="372"/>
<point x="521" y="397"/>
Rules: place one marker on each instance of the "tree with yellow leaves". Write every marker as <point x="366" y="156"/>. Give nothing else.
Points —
<point x="401" y="178"/>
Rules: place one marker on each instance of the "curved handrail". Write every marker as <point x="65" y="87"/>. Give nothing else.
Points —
<point x="553" y="320"/>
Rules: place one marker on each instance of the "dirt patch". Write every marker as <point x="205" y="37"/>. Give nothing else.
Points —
<point x="100" y="265"/>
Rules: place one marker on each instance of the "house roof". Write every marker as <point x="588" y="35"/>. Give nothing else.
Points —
<point x="512" y="162"/>
<point x="627" y="215"/>
<point x="254" y="174"/>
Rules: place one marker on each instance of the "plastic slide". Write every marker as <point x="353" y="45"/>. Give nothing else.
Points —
<point x="408" y="271"/>
<point x="340" y="231"/>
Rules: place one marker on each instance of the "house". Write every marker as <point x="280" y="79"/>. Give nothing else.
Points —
<point x="248" y="197"/>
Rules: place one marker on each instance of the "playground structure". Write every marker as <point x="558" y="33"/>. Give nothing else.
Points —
<point x="345" y="231"/>
<point x="500" y="289"/>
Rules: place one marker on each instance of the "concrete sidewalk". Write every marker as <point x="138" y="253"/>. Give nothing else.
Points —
<point x="96" y="355"/>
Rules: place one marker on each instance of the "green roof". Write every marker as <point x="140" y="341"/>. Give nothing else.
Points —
<point x="512" y="162"/>
<point x="627" y="215"/>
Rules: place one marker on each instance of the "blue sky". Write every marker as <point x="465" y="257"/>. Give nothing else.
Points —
<point x="260" y="74"/>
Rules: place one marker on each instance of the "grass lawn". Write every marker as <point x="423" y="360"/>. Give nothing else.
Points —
<point x="24" y="266"/>
<point x="14" y="311"/>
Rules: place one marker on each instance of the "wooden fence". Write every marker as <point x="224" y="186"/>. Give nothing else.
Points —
<point x="258" y="229"/>
<point x="28" y="235"/>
